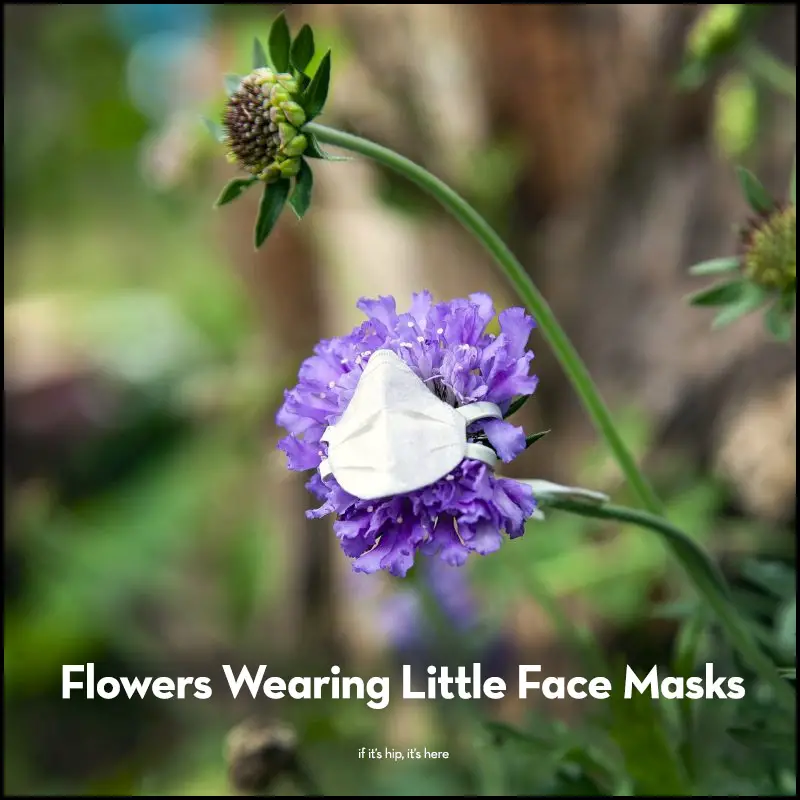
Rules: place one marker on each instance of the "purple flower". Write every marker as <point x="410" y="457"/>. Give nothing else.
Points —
<point x="448" y="347"/>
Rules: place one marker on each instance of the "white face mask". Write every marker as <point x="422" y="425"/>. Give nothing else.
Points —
<point x="397" y="436"/>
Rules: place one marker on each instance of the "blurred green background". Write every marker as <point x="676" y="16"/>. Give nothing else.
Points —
<point x="146" y="528"/>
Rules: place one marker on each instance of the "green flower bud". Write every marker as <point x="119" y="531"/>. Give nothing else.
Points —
<point x="278" y="95"/>
<point x="770" y="250"/>
<point x="294" y="113"/>
<point x="291" y="167"/>
<point x="261" y="124"/>
<point x="296" y="147"/>
<point x="286" y="132"/>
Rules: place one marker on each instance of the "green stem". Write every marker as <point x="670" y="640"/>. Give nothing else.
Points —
<point x="706" y="577"/>
<point x="564" y="351"/>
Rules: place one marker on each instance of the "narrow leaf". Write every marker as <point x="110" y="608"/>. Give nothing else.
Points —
<point x="301" y="196"/>
<point x="280" y="42"/>
<point x="316" y="94"/>
<point x="534" y="437"/>
<point x="756" y="195"/>
<point x="215" y="129"/>
<point x="720" y="294"/>
<point x="233" y="189"/>
<point x="547" y="493"/>
<point x="259" y="55"/>
<point x="272" y="203"/>
<point x="302" y="49"/>
<point x="516" y="405"/>
<point x="778" y="322"/>
<point x="715" y="266"/>
<point x="751" y="299"/>
<point x="313" y="150"/>
<point x="232" y="83"/>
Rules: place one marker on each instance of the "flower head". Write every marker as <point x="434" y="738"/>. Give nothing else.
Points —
<point x="449" y="348"/>
<point x="769" y="243"/>
<point x="261" y="122"/>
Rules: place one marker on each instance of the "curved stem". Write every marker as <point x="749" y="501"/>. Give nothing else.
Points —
<point x="564" y="351"/>
<point x="707" y="579"/>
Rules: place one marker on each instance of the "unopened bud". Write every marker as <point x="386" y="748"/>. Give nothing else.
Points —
<point x="296" y="147"/>
<point x="294" y="113"/>
<point x="770" y="250"/>
<point x="291" y="167"/>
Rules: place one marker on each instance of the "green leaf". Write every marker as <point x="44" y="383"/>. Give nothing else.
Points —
<point x="301" y="196"/>
<point x="516" y="405"/>
<point x="778" y="321"/>
<point x="640" y="732"/>
<point x="752" y="297"/>
<point x="313" y="150"/>
<point x="280" y="42"/>
<point x="756" y="195"/>
<point x="715" y="266"/>
<point x="234" y="189"/>
<point x="316" y="94"/>
<point x="302" y="49"/>
<point x="272" y="202"/>
<point x="787" y="628"/>
<point x="720" y="294"/>
<point x="215" y="129"/>
<point x="259" y="55"/>
<point x="232" y="83"/>
<point x="534" y="437"/>
<point x="793" y="183"/>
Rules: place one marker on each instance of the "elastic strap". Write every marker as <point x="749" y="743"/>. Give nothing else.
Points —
<point x="475" y="411"/>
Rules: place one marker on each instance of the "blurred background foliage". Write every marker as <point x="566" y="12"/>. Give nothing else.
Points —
<point x="145" y="356"/>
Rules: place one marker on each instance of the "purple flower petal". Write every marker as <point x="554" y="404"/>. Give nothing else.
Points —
<point x="507" y="439"/>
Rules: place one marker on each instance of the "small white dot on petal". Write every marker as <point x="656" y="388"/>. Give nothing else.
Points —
<point x="322" y="395"/>
<point x="370" y="509"/>
<point x="410" y="324"/>
<point x="320" y="453"/>
<point x="420" y="339"/>
<point x="440" y="331"/>
<point x="366" y="353"/>
<point x="358" y="359"/>
<point x="407" y="345"/>
<point x="332" y="385"/>
<point x="399" y="520"/>
<point x="451" y="477"/>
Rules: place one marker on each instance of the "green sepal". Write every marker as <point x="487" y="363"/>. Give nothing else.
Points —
<point x="259" y="55"/>
<point x="516" y="405"/>
<point x="316" y="94"/>
<point x="232" y="83"/>
<point x="758" y="198"/>
<point x="279" y="42"/>
<point x="534" y="437"/>
<point x="715" y="266"/>
<point x="720" y="294"/>
<point x="778" y="319"/>
<point x="215" y="129"/>
<point x="313" y="150"/>
<point x="302" y="49"/>
<point x="233" y="190"/>
<point x="303" y="185"/>
<point x="752" y="298"/>
<point x="272" y="202"/>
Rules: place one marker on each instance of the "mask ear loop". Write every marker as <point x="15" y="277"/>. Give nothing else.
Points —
<point x="472" y="412"/>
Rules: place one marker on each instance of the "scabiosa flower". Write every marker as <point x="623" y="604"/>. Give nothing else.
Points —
<point x="448" y="346"/>
<point x="766" y="264"/>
